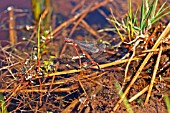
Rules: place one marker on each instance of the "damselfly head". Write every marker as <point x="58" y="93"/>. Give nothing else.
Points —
<point x="68" y="40"/>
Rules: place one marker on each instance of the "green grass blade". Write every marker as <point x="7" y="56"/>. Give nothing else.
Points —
<point x="147" y="5"/>
<point x="127" y="26"/>
<point x="115" y="21"/>
<point x="130" y="9"/>
<point x="39" y="27"/>
<point x="146" y="21"/>
<point x="2" y="104"/>
<point x="161" y="8"/>
<point x="142" y="15"/>
<point x="135" y="23"/>
<point x="125" y="23"/>
<point x="135" y="18"/>
<point x="125" y="101"/>
<point x="118" y="31"/>
<point x="157" y="19"/>
<point x="160" y="12"/>
<point x="116" y="28"/>
<point x="136" y="28"/>
<point x="167" y="101"/>
<point x="148" y="14"/>
<point x="154" y="5"/>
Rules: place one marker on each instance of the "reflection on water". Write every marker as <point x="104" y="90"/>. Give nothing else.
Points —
<point x="22" y="12"/>
<point x="63" y="10"/>
<point x="20" y="4"/>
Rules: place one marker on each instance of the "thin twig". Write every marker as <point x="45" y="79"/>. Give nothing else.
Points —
<point x="153" y="76"/>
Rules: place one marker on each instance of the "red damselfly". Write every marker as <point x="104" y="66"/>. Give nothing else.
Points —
<point x="89" y="46"/>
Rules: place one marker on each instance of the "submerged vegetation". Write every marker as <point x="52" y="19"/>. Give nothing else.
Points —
<point x="60" y="69"/>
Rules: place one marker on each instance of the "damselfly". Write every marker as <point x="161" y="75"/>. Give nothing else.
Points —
<point x="88" y="46"/>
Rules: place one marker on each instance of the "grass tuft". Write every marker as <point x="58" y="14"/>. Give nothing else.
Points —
<point x="148" y="17"/>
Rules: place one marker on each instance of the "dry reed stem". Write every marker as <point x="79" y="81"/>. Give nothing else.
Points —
<point x="92" y="78"/>
<point x="150" y="37"/>
<point x="13" y="92"/>
<point x="93" y="67"/>
<point x="61" y="26"/>
<point x="165" y="32"/>
<point x="71" y="106"/>
<point x="12" y="32"/>
<point x="65" y="80"/>
<point x="153" y="76"/>
<point x="139" y="94"/>
<point x="156" y="50"/>
<point x="97" y="5"/>
<point x="10" y="66"/>
<point x="132" y="56"/>
<point x="85" y="12"/>
<point x="40" y="88"/>
<point x="80" y="83"/>
<point x="68" y="89"/>
<point x="83" y="100"/>
<point x="83" y="103"/>
<point x="79" y="5"/>
<point x="114" y="63"/>
<point x="58" y="82"/>
<point x="90" y="29"/>
<point x="44" y="14"/>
